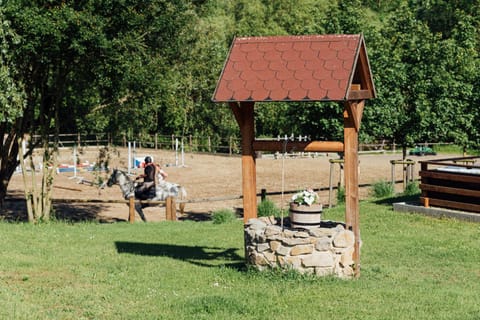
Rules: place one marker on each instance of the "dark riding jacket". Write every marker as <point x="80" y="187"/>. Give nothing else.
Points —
<point x="149" y="173"/>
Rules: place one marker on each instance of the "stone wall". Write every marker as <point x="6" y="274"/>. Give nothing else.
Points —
<point x="327" y="250"/>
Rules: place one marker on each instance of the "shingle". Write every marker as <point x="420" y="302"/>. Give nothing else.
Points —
<point x="280" y="68"/>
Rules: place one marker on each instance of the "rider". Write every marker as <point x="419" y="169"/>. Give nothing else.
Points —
<point x="148" y="178"/>
<point x="162" y="175"/>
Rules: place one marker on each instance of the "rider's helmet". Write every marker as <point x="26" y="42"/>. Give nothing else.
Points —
<point x="148" y="159"/>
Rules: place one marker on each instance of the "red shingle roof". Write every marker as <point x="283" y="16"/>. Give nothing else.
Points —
<point x="289" y="68"/>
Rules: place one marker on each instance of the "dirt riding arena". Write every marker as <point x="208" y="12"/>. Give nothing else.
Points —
<point x="205" y="177"/>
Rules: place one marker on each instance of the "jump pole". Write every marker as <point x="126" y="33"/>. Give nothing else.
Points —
<point x="74" y="161"/>
<point x="176" y="152"/>
<point x="183" y="154"/>
<point x="129" y="156"/>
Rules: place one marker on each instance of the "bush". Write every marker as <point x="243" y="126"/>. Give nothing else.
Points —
<point x="267" y="208"/>
<point x="223" y="216"/>
<point x="382" y="189"/>
<point x="341" y="195"/>
<point x="411" y="189"/>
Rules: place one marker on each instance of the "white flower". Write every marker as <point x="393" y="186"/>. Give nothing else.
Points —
<point x="305" y="197"/>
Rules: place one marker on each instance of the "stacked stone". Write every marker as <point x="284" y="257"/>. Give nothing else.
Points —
<point x="321" y="251"/>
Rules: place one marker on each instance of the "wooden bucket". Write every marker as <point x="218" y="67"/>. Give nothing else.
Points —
<point x="305" y="217"/>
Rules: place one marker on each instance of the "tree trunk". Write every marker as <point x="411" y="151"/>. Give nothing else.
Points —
<point x="8" y="161"/>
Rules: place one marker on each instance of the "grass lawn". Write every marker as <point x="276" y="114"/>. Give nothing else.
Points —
<point x="413" y="267"/>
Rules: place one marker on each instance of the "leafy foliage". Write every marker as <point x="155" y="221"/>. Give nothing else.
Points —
<point x="267" y="208"/>
<point x="223" y="216"/>
<point x="382" y="189"/>
<point x="133" y="68"/>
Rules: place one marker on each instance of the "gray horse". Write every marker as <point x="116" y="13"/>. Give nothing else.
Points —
<point x="161" y="192"/>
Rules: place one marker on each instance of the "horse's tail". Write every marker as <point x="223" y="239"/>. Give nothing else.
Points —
<point x="182" y="192"/>
<point x="183" y="195"/>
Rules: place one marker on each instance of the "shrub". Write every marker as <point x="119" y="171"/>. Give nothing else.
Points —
<point x="411" y="189"/>
<point x="267" y="208"/>
<point x="223" y="216"/>
<point x="341" y="194"/>
<point x="382" y="189"/>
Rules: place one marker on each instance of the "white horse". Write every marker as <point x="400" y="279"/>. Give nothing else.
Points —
<point x="162" y="190"/>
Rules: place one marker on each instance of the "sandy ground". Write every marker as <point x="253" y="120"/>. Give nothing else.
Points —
<point x="204" y="176"/>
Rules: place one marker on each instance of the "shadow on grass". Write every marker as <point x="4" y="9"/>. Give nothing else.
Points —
<point x="15" y="210"/>
<point x="201" y="256"/>
<point x="401" y="198"/>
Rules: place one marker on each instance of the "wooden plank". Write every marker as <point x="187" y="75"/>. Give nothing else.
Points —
<point x="125" y="201"/>
<point x="360" y="95"/>
<point x="434" y="174"/>
<point x="452" y="204"/>
<point x="450" y="190"/>
<point x="298" y="146"/>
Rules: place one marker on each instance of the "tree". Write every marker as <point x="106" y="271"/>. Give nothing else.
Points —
<point x="424" y="92"/>
<point x="12" y="103"/>
<point x="95" y="53"/>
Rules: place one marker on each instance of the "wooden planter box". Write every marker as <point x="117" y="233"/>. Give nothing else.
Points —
<point x="451" y="183"/>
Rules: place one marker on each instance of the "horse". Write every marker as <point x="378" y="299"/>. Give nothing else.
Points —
<point x="161" y="191"/>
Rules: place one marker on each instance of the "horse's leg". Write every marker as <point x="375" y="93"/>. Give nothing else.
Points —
<point x="181" y="206"/>
<point x="138" y="207"/>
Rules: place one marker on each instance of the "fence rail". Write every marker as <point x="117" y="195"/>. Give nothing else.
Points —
<point x="195" y="143"/>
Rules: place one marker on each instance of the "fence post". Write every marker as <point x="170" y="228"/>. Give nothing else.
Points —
<point x="156" y="141"/>
<point x="131" y="211"/>
<point x="170" y="210"/>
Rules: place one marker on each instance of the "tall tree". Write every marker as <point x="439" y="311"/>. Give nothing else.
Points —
<point x="12" y="104"/>
<point x="74" y="56"/>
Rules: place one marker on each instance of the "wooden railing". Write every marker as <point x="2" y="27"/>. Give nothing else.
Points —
<point x="451" y="183"/>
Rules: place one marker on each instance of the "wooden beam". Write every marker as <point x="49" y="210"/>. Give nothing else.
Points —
<point x="354" y="110"/>
<point x="471" y="207"/>
<point x="298" y="146"/>
<point x="359" y="95"/>
<point x="237" y="112"/>
<point x="352" y="219"/>
<point x="249" y="183"/>
<point x="450" y="190"/>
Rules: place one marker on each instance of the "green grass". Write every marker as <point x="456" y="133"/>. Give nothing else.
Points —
<point x="412" y="267"/>
<point x="455" y="149"/>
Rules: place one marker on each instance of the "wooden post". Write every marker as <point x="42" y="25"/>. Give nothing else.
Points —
<point x="168" y="208"/>
<point x="352" y="119"/>
<point x="173" y="210"/>
<point x="330" y="185"/>
<point x="244" y="114"/>
<point x="131" y="209"/>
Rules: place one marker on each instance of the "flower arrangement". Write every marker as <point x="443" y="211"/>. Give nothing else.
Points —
<point x="305" y="197"/>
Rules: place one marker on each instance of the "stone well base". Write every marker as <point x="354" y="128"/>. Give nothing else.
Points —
<point x="327" y="250"/>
